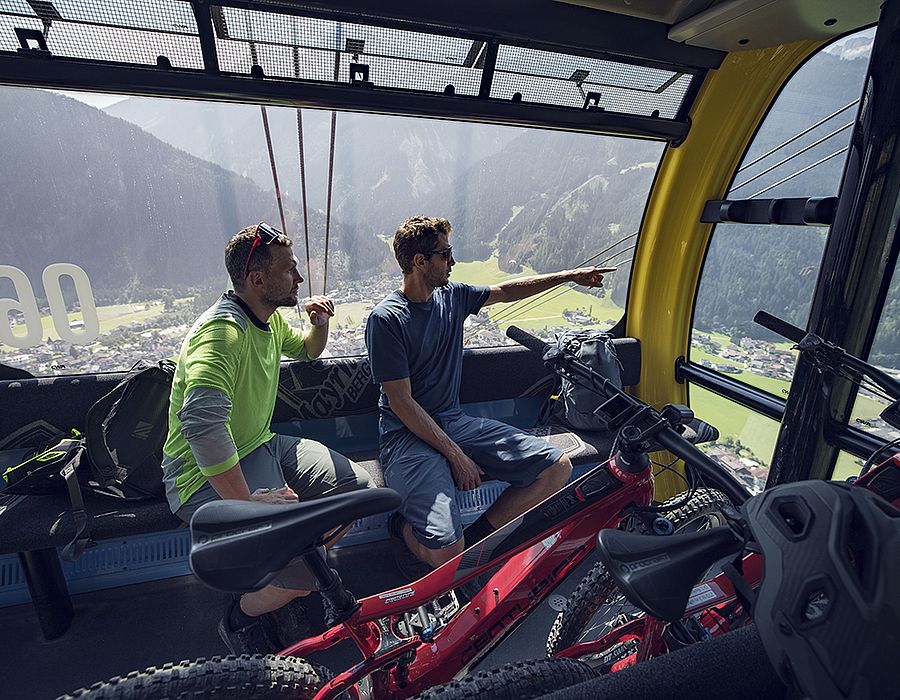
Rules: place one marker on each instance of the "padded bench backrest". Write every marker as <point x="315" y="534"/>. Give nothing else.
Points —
<point x="36" y="409"/>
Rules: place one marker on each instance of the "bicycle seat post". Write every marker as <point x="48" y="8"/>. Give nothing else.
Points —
<point x="341" y="603"/>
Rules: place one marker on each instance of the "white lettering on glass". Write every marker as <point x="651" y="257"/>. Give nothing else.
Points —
<point x="53" y="290"/>
<point x="26" y="304"/>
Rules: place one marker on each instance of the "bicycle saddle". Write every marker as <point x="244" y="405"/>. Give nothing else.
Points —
<point x="240" y="546"/>
<point x="657" y="574"/>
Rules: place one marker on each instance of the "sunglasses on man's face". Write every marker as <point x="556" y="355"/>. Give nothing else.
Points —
<point x="265" y="234"/>
<point x="445" y="253"/>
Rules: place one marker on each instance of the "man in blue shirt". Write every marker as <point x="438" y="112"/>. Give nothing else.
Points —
<point x="429" y="447"/>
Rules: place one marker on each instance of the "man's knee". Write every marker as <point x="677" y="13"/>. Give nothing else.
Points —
<point x="364" y="480"/>
<point x="351" y="477"/>
<point x="557" y="474"/>
<point x="436" y="557"/>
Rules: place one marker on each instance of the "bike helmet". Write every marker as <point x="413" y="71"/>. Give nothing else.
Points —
<point x="828" y="608"/>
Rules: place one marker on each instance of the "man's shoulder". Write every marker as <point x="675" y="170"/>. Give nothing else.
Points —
<point x="389" y="307"/>
<point x="456" y="292"/>
<point x="224" y="310"/>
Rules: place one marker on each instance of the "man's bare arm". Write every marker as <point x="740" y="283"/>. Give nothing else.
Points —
<point x="466" y="473"/>
<point x="231" y="484"/>
<point x="524" y="287"/>
<point x="320" y="310"/>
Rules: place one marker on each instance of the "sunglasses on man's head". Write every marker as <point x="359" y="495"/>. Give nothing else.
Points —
<point x="265" y="234"/>
<point x="445" y="253"/>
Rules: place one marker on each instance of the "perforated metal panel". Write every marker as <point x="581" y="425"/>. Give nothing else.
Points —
<point x="567" y="80"/>
<point x="319" y="49"/>
<point x="288" y="46"/>
<point x="122" y="31"/>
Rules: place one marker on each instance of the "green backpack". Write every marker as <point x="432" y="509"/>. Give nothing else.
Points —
<point x="40" y="472"/>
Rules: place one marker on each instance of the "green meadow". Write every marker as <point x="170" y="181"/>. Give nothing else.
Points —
<point x="537" y="313"/>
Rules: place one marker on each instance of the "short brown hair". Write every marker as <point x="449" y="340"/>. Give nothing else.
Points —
<point x="418" y="234"/>
<point x="238" y="250"/>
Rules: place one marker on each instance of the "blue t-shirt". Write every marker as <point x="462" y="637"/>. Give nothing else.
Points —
<point x="422" y="341"/>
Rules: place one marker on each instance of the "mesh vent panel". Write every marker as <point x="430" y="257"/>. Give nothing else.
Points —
<point x="16" y="7"/>
<point x="305" y="48"/>
<point x="126" y="31"/>
<point x="323" y="50"/>
<point x="565" y="80"/>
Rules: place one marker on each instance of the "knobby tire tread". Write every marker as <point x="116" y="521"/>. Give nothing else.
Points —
<point x="521" y="680"/>
<point x="244" y="677"/>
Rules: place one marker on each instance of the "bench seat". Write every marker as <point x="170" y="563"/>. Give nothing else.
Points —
<point x="39" y="522"/>
<point x="336" y="389"/>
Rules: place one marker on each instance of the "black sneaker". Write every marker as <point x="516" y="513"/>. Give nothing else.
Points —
<point x="290" y="623"/>
<point x="251" y="639"/>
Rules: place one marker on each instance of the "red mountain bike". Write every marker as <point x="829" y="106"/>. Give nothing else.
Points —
<point x="421" y="634"/>
<point x="643" y="598"/>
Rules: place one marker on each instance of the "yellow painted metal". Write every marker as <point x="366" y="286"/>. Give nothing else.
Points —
<point x="732" y="102"/>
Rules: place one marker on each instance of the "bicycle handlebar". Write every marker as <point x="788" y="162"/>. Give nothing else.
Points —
<point x="779" y="326"/>
<point x="668" y="437"/>
<point x="831" y="356"/>
<point x="532" y="342"/>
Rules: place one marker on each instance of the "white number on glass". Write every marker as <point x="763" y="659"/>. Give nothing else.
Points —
<point x="26" y="304"/>
<point x="53" y="290"/>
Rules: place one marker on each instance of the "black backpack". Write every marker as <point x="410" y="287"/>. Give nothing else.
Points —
<point x="125" y="431"/>
<point x="576" y="406"/>
<point x="119" y="454"/>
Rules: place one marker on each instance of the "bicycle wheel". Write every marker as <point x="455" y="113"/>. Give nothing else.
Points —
<point x="520" y="680"/>
<point x="223" y="678"/>
<point x="597" y="607"/>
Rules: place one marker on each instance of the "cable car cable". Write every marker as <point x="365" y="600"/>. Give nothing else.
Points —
<point x="514" y="317"/>
<point x="265" y="120"/>
<point x="528" y="302"/>
<point x="532" y="304"/>
<point x="800" y="172"/>
<point x="337" y="75"/>
<point x="328" y="204"/>
<point x="791" y="157"/>
<point x="510" y="313"/>
<point x="797" y="136"/>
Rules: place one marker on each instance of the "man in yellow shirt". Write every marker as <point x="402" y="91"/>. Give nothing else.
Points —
<point x="223" y="397"/>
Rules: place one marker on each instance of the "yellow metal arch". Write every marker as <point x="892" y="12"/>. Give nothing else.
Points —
<point x="731" y="104"/>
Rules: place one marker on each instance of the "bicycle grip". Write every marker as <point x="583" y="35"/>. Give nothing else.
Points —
<point x="525" y="338"/>
<point x="782" y="328"/>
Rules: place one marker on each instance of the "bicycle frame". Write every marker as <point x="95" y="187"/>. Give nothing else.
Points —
<point x="537" y="550"/>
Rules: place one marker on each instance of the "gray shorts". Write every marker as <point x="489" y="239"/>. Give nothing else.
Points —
<point x="421" y="474"/>
<point x="310" y="468"/>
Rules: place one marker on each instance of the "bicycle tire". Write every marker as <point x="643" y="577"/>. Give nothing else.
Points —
<point x="598" y="589"/>
<point x="244" y="677"/>
<point x="520" y="680"/>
